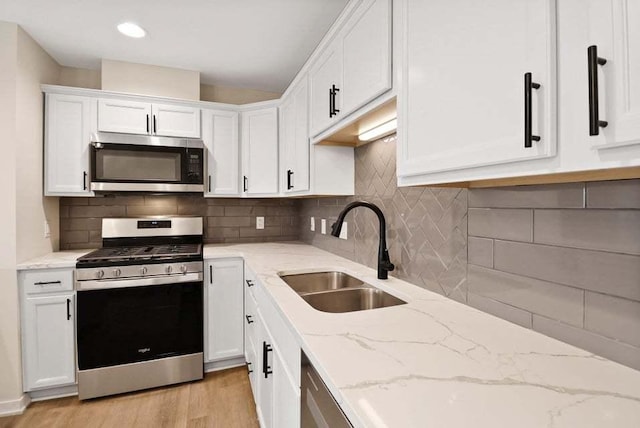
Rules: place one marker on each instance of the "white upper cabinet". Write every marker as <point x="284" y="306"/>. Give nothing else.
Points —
<point x="220" y="136"/>
<point x="599" y="59"/>
<point x="325" y="81"/>
<point x="137" y="117"/>
<point x="260" y="151"/>
<point x="128" y="117"/>
<point x="224" y="306"/>
<point x="355" y="68"/>
<point x="176" y="121"/>
<point x="69" y="122"/>
<point x="366" y="54"/>
<point x="464" y="94"/>
<point x="294" y="141"/>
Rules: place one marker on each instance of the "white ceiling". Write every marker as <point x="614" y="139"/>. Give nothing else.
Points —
<point x="257" y="44"/>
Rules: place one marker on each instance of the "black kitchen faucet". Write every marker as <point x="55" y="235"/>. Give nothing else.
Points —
<point x="384" y="264"/>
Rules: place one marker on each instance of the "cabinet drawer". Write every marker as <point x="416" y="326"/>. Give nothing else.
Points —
<point x="46" y="280"/>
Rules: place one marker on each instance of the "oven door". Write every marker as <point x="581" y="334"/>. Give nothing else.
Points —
<point x="139" y="168"/>
<point x="128" y="324"/>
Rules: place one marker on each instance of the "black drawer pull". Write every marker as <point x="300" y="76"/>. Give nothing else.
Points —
<point x="249" y="320"/>
<point x="245" y="181"/>
<point x="210" y="274"/>
<point x="47" y="283"/>
<point x="155" y="131"/>
<point x="147" y="124"/>
<point x="249" y="283"/>
<point x="266" y="368"/>
<point x="594" y="110"/>
<point x="529" y="85"/>
<point x="84" y="180"/>
<point x="68" y="309"/>
<point x="209" y="183"/>
<point x="289" y="181"/>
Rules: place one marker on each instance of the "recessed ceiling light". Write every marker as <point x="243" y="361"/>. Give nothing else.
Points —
<point x="132" y="30"/>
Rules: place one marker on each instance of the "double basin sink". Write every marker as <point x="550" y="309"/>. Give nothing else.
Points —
<point x="338" y="292"/>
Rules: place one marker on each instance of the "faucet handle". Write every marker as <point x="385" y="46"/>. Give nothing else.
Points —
<point x="387" y="265"/>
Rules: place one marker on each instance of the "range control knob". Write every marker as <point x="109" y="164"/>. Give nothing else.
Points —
<point x="117" y="272"/>
<point x="143" y="270"/>
<point x="183" y="269"/>
<point x="169" y="269"/>
<point x="99" y="273"/>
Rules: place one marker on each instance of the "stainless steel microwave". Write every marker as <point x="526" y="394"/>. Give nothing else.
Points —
<point x="142" y="163"/>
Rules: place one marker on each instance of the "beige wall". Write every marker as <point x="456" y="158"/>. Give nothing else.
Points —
<point x="231" y="95"/>
<point x="35" y="67"/>
<point x="80" y="78"/>
<point x="144" y="79"/>
<point x="10" y="384"/>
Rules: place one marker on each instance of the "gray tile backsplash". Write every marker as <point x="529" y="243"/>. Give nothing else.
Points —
<point x="226" y="220"/>
<point x="578" y="279"/>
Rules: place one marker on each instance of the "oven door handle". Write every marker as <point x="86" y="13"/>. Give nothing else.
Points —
<point x="138" y="282"/>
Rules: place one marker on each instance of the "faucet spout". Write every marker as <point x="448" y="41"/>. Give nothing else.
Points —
<point x="384" y="264"/>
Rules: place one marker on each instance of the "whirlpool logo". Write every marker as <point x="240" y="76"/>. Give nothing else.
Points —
<point x="143" y="350"/>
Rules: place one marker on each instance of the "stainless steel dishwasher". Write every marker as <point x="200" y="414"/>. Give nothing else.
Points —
<point x="318" y="407"/>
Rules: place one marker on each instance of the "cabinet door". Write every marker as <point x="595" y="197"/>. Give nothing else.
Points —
<point x="220" y="136"/>
<point x="463" y="96"/>
<point x="294" y="141"/>
<point x="324" y="75"/>
<point x="224" y="310"/>
<point x="69" y="122"/>
<point x="129" y="117"/>
<point x="260" y="151"/>
<point x="265" y="351"/>
<point x="286" y="405"/>
<point x="366" y="53"/>
<point x="48" y="341"/>
<point x="614" y="28"/>
<point x="175" y="121"/>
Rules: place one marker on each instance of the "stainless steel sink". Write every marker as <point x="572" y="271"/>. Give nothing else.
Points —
<point x="320" y="281"/>
<point x="338" y="292"/>
<point x="350" y="300"/>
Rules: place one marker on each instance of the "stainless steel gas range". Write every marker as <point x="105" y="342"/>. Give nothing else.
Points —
<point x="140" y="306"/>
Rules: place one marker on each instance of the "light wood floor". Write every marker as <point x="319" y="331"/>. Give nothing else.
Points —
<point x="222" y="400"/>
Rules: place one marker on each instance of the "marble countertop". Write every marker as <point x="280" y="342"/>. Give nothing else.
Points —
<point x="58" y="259"/>
<point x="433" y="362"/>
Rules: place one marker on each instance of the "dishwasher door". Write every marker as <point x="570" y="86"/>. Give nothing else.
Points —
<point x="318" y="407"/>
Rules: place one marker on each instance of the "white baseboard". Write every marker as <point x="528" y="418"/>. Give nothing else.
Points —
<point x="224" y="364"/>
<point x="14" y="407"/>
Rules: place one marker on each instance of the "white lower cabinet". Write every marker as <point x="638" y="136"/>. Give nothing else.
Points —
<point x="48" y="325"/>
<point x="275" y="360"/>
<point x="224" y="311"/>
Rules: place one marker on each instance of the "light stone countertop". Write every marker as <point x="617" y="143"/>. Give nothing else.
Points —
<point x="58" y="259"/>
<point x="433" y="362"/>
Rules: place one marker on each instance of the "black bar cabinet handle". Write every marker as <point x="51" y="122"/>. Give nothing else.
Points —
<point x="249" y="367"/>
<point x="330" y="102"/>
<point x="249" y="320"/>
<point x="249" y="283"/>
<point x="210" y="274"/>
<point x="47" y="282"/>
<point x="266" y="368"/>
<point x="209" y="183"/>
<point x="594" y="112"/>
<point x="154" y="124"/>
<point x="289" y="174"/>
<point x="528" y="113"/>
<point x="245" y="181"/>
<point x="333" y="110"/>
<point x="68" y="309"/>
<point x="147" y="124"/>
<point x="84" y="180"/>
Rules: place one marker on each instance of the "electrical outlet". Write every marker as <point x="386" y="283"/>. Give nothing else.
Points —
<point x="323" y="226"/>
<point x="312" y="226"/>
<point x="343" y="231"/>
<point x="259" y="222"/>
<point x="47" y="229"/>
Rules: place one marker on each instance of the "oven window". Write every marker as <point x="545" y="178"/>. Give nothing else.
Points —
<point x="128" y="325"/>
<point x="138" y="165"/>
